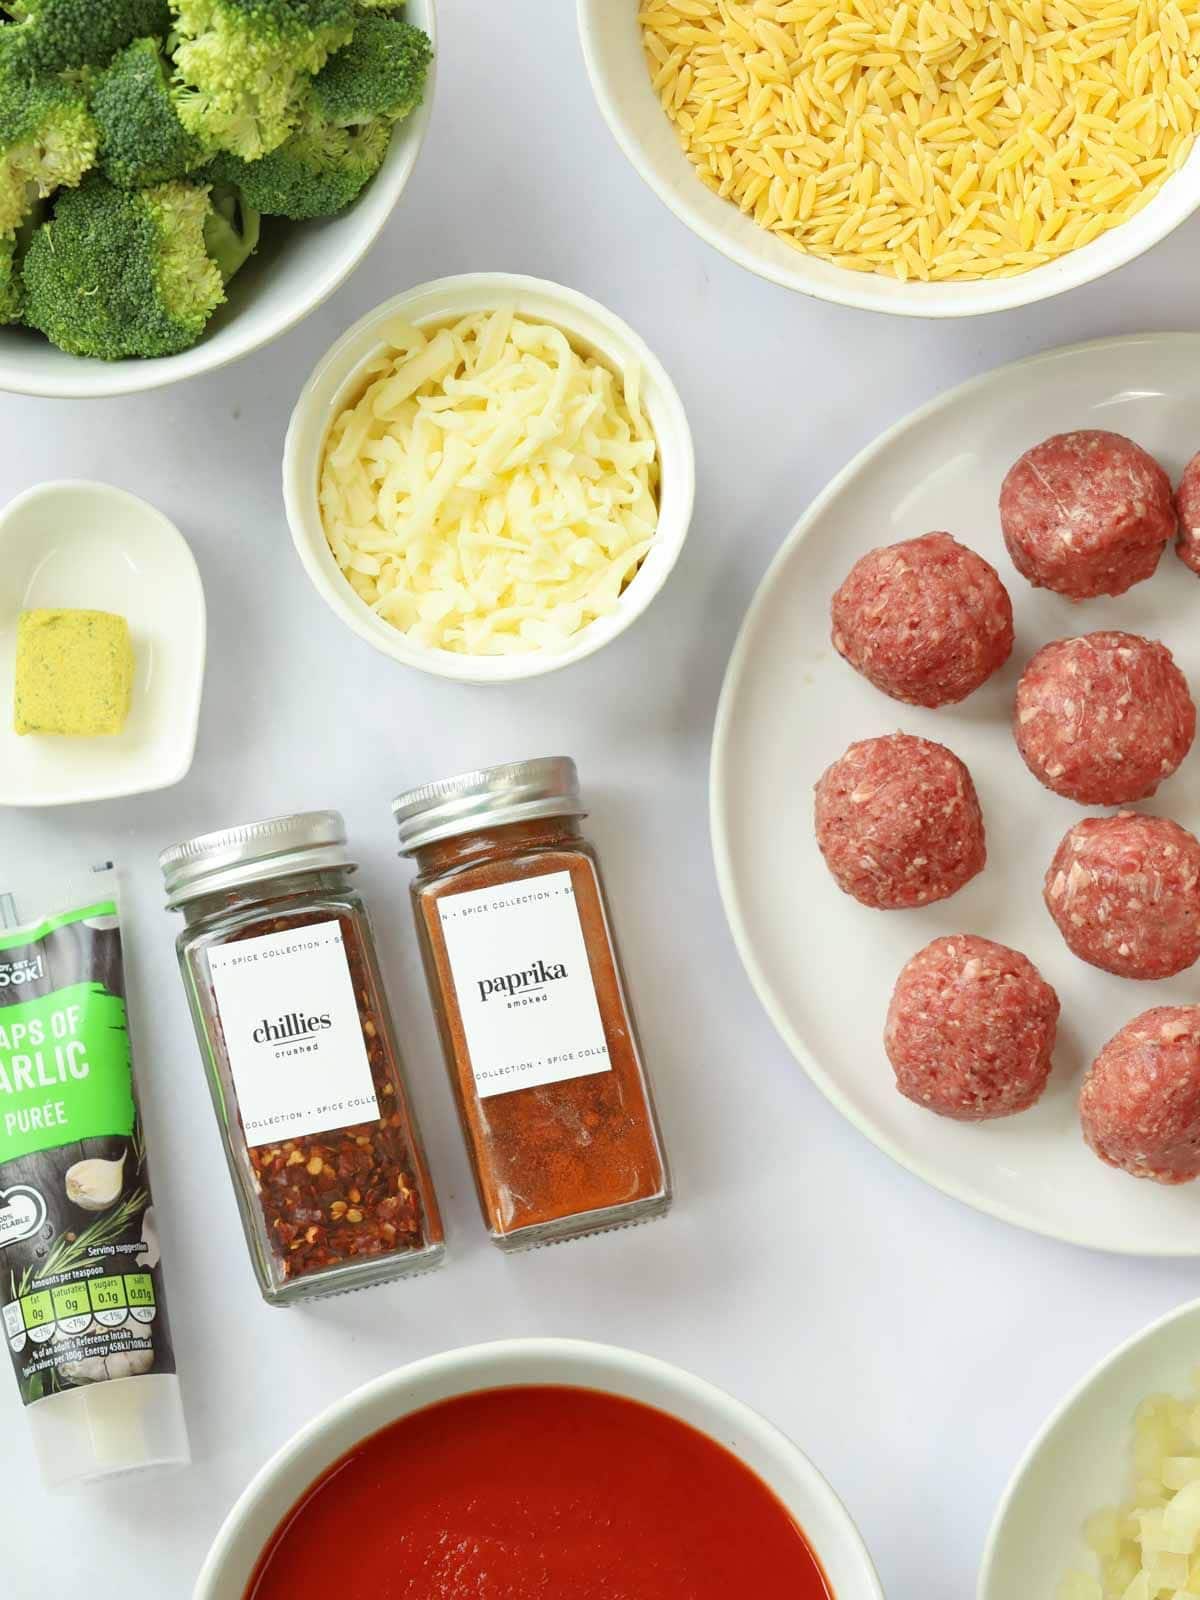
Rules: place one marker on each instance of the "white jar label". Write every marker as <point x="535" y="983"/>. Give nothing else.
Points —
<point x="523" y="984"/>
<point x="292" y="1033"/>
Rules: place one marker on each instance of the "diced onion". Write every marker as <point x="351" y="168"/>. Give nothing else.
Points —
<point x="1149" y="1548"/>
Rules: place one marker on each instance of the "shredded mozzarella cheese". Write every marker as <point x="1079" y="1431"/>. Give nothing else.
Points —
<point x="492" y="490"/>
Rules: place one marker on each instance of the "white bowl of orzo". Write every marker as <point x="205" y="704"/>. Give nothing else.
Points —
<point x="933" y="158"/>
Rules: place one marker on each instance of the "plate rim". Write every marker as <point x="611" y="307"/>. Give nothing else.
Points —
<point x="1094" y="1374"/>
<point x="720" y="788"/>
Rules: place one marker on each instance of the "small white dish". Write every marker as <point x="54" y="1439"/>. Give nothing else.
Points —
<point x="612" y="48"/>
<point x="591" y="327"/>
<point x="777" y="1461"/>
<point x="88" y="546"/>
<point x="1080" y="1462"/>
<point x="823" y="965"/>
<point x="297" y="267"/>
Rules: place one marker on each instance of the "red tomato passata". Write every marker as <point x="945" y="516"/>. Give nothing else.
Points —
<point x="539" y="1493"/>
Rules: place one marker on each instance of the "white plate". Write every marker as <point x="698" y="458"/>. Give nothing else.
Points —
<point x="92" y="547"/>
<point x="823" y="965"/>
<point x="1080" y="1462"/>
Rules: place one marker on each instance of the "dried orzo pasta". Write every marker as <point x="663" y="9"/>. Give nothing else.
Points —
<point x="931" y="139"/>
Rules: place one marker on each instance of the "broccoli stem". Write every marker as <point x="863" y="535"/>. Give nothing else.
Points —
<point x="232" y="230"/>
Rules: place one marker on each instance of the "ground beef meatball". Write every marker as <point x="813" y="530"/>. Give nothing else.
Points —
<point x="1187" y="507"/>
<point x="898" y="822"/>
<point x="970" y="1030"/>
<point x="1104" y="718"/>
<point x="1140" y="1101"/>
<point x="1125" y="893"/>
<point x="1086" y="513"/>
<point x="926" y="620"/>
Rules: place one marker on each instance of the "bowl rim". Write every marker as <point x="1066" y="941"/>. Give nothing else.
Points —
<point x="172" y="535"/>
<point x="97" y="380"/>
<point x="1041" y="1437"/>
<point x="482" y="291"/>
<point x="983" y="297"/>
<point x="615" y="1359"/>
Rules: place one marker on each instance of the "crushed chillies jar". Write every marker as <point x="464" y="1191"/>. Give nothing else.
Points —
<point x="279" y="964"/>
<point x="531" y="1005"/>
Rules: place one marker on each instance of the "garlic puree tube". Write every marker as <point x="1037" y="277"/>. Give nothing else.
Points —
<point x="81" y="1289"/>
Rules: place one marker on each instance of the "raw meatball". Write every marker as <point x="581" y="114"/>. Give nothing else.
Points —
<point x="926" y="620"/>
<point x="1103" y="718"/>
<point x="1140" y="1101"/>
<point x="1086" y="513"/>
<point x="898" y="822"/>
<point x="1123" y="891"/>
<point x="1187" y="506"/>
<point x="970" y="1030"/>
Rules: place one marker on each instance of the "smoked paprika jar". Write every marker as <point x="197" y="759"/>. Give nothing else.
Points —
<point x="531" y="1005"/>
<point x="279" y="964"/>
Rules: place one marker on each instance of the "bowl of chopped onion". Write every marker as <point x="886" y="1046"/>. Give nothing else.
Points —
<point x="1105" y="1504"/>
<point x="489" y="477"/>
<point x="940" y="159"/>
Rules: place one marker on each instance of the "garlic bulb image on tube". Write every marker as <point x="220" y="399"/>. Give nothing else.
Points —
<point x="81" y="1289"/>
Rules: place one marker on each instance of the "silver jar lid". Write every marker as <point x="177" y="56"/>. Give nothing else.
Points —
<point x="519" y="791"/>
<point x="306" y="841"/>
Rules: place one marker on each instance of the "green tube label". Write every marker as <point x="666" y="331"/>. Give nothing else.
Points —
<point x="64" y="1070"/>
<point x="81" y="1298"/>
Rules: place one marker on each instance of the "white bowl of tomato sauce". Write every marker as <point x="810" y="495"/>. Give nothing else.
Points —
<point x="540" y="1466"/>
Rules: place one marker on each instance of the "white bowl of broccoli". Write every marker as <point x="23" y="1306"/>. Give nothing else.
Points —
<point x="181" y="181"/>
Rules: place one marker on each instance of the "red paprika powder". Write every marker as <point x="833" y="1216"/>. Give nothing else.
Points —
<point x="531" y="1005"/>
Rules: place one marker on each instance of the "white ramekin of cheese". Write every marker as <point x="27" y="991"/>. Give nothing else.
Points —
<point x="489" y="477"/>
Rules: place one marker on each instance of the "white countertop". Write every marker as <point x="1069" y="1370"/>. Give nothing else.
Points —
<point x="909" y="1345"/>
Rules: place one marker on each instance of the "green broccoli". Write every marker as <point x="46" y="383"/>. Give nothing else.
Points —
<point x="47" y="139"/>
<point x="142" y="141"/>
<point x="115" y="274"/>
<point x="12" y="290"/>
<point x="53" y="35"/>
<point x="345" y="125"/>
<point x="244" y="65"/>
<point x="12" y="258"/>
<point x="380" y="73"/>
<point x="232" y="229"/>
<point x="316" y="173"/>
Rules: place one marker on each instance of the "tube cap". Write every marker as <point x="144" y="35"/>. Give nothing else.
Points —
<point x="101" y="1429"/>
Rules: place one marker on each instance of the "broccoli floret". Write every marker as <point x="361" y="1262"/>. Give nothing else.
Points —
<point x="380" y="73"/>
<point x="47" y="140"/>
<point x="142" y="141"/>
<point x="232" y="230"/>
<point x="345" y="125"/>
<point x="245" y="63"/>
<point x="12" y="258"/>
<point x="116" y="274"/>
<point x="316" y="173"/>
<point x="56" y="34"/>
<point x="12" y="290"/>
